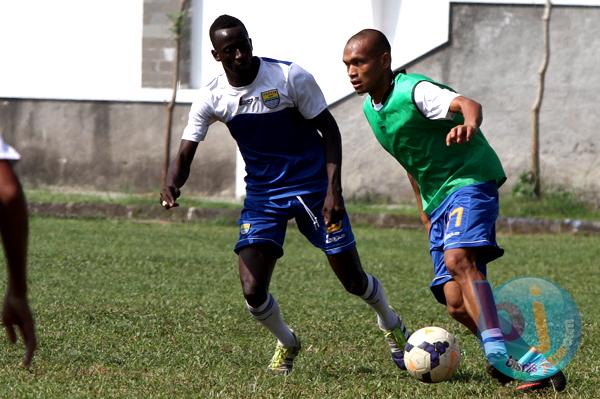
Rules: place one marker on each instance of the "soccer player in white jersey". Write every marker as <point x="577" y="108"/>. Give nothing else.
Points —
<point x="275" y="111"/>
<point x="14" y="231"/>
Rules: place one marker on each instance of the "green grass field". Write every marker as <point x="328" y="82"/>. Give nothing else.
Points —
<point x="131" y="309"/>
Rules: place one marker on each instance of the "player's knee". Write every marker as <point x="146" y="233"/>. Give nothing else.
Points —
<point x="459" y="264"/>
<point x="457" y="312"/>
<point x="254" y="293"/>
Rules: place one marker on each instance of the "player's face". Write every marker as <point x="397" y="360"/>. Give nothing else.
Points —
<point x="365" y="69"/>
<point x="233" y="48"/>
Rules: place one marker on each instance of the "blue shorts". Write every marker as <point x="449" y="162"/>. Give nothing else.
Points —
<point x="466" y="219"/>
<point x="265" y="222"/>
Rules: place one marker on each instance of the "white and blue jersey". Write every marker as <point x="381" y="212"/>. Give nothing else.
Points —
<point x="7" y="152"/>
<point x="269" y="120"/>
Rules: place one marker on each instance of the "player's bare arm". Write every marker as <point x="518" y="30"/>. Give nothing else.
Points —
<point x="423" y="215"/>
<point x="179" y="171"/>
<point x="472" y="115"/>
<point x="14" y="230"/>
<point x="333" y="207"/>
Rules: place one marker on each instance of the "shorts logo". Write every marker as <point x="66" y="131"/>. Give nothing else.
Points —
<point x="334" y="227"/>
<point x="450" y="235"/>
<point x="270" y="98"/>
<point x="329" y="240"/>
<point x="244" y="228"/>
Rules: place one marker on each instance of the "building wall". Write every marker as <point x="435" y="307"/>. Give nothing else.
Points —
<point x="109" y="146"/>
<point x="493" y="56"/>
<point x="158" y="45"/>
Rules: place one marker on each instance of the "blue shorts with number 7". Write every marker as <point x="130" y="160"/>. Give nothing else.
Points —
<point x="466" y="219"/>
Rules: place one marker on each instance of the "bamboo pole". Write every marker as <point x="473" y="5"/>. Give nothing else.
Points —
<point x="177" y="28"/>
<point x="535" y="117"/>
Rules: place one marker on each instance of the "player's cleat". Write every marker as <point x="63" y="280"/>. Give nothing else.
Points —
<point x="535" y="364"/>
<point x="558" y="382"/>
<point x="396" y="338"/>
<point x="498" y="375"/>
<point x="542" y="374"/>
<point x="283" y="359"/>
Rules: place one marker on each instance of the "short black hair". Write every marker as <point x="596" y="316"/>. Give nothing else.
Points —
<point x="380" y="43"/>
<point x="224" y="22"/>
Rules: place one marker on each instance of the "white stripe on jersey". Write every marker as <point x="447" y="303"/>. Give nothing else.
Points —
<point x="278" y="85"/>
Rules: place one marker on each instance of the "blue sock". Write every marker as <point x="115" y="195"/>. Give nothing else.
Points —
<point x="493" y="344"/>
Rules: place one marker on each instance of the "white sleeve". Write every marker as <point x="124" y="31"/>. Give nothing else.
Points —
<point x="433" y="101"/>
<point x="201" y="116"/>
<point x="306" y="93"/>
<point x="7" y="152"/>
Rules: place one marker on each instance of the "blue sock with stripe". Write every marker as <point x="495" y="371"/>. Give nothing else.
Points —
<point x="493" y="344"/>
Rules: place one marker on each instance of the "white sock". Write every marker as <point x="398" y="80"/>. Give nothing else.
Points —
<point x="269" y="316"/>
<point x="387" y="319"/>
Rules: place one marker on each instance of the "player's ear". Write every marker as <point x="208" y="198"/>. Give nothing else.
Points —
<point x="215" y="55"/>
<point x="386" y="60"/>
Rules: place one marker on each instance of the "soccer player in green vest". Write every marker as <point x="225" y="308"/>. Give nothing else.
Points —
<point x="434" y="134"/>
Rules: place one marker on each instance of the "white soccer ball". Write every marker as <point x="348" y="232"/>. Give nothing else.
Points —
<point x="432" y="354"/>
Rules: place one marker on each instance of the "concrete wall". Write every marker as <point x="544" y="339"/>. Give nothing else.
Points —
<point x="493" y="56"/>
<point x="109" y="146"/>
<point x="158" y="45"/>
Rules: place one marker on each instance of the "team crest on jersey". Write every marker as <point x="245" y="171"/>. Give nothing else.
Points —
<point x="244" y="228"/>
<point x="270" y="98"/>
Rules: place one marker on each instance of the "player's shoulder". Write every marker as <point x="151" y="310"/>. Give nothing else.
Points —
<point x="416" y="77"/>
<point x="7" y="152"/>
<point x="289" y="68"/>
<point x="276" y="63"/>
<point x="212" y="90"/>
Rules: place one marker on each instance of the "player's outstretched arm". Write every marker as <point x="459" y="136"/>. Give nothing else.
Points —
<point x="417" y="192"/>
<point x="178" y="173"/>
<point x="472" y="115"/>
<point x="14" y="231"/>
<point x="333" y="208"/>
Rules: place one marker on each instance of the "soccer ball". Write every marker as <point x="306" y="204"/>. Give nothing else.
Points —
<point x="432" y="354"/>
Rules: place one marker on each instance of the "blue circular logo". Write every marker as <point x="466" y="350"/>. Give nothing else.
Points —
<point x="541" y="327"/>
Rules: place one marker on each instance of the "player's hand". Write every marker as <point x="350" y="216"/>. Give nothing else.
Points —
<point x="333" y="209"/>
<point x="168" y="197"/>
<point x="461" y="134"/>
<point x="16" y="312"/>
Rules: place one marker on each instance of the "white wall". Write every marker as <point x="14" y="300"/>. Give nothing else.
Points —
<point x="70" y="48"/>
<point x="91" y="49"/>
<point x="314" y="35"/>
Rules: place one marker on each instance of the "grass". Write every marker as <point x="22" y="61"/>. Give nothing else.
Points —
<point x="555" y="204"/>
<point x="154" y="310"/>
<point x="55" y="195"/>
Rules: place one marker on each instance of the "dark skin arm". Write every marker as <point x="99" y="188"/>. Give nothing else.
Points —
<point x="333" y="208"/>
<point x="417" y="192"/>
<point x="178" y="173"/>
<point x="14" y="229"/>
<point x="472" y="115"/>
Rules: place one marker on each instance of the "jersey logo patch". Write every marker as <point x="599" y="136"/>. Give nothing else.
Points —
<point x="270" y="98"/>
<point x="244" y="228"/>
